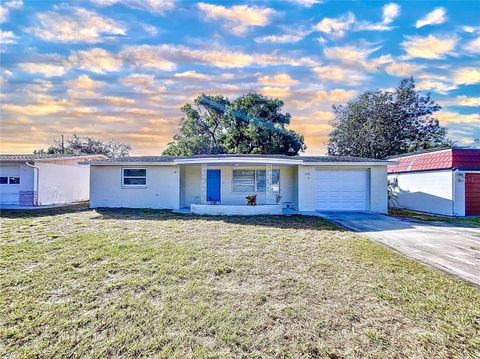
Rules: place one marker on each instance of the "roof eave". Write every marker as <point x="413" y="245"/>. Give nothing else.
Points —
<point x="233" y="160"/>
<point x="346" y="163"/>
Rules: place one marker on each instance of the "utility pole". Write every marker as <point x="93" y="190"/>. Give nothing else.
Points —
<point x="63" y="146"/>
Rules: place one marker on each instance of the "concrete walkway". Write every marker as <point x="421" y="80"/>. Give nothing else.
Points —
<point x="451" y="247"/>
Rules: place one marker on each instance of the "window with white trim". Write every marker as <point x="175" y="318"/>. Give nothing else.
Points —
<point x="132" y="177"/>
<point x="254" y="181"/>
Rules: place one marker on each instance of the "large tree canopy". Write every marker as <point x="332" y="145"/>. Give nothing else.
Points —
<point x="261" y="129"/>
<point x="88" y="146"/>
<point x="385" y="123"/>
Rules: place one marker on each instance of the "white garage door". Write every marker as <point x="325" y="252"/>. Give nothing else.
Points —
<point x="342" y="190"/>
<point x="9" y="184"/>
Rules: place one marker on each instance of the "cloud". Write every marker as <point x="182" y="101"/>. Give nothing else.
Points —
<point x="118" y="101"/>
<point x="339" y="74"/>
<point x="280" y="92"/>
<point x="447" y="117"/>
<point x="403" y="69"/>
<point x="192" y="75"/>
<point x="281" y="39"/>
<point x="166" y="57"/>
<point x="336" y="27"/>
<point x="349" y="54"/>
<point x="429" y="47"/>
<point x="7" y="37"/>
<point x="470" y="29"/>
<point x="83" y="86"/>
<point x="435" y="85"/>
<point x="41" y="107"/>
<point x="150" y="29"/>
<point x="140" y="82"/>
<point x="148" y="56"/>
<point x="158" y="7"/>
<point x="306" y="3"/>
<point x="435" y="17"/>
<point x="46" y="69"/>
<point x="390" y="12"/>
<point x="463" y="101"/>
<point x="473" y="46"/>
<point x="357" y="56"/>
<point x="282" y="80"/>
<point x="466" y="76"/>
<point x="95" y="60"/>
<point x="238" y="19"/>
<point x="75" y="25"/>
<point x="6" y="6"/>
<point x="335" y="96"/>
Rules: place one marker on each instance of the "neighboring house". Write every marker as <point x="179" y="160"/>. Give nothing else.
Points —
<point x="32" y="180"/>
<point x="442" y="181"/>
<point x="218" y="184"/>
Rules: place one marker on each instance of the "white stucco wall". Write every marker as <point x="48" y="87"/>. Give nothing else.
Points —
<point x="161" y="192"/>
<point x="429" y="191"/>
<point x="62" y="183"/>
<point x="378" y="199"/>
<point x="191" y="184"/>
<point x="440" y="192"/>
<point x="378" y="189"/>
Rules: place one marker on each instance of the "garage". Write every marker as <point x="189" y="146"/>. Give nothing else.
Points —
<point x="9" y="184"/>
<point x="342" y="190"/>
<point x="472" y="194"/>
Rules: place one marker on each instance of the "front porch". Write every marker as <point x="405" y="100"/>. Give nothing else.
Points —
<point x="235" y="210"/>
<point x="216" y="188"/>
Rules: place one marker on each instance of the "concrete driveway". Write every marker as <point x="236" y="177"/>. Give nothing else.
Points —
<point x="451" y="247"/>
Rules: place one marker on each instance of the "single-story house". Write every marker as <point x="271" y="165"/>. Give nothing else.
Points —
<point x="44" y="179"/>
<point x="443" y="181"/>
<point x="218" y="184"/>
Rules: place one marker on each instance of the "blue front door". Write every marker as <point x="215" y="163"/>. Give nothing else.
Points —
<point x="213" y="185"/>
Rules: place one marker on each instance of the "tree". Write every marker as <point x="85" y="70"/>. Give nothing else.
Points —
<point x="207" y="130"/>
<point x="386" y="123"/>
<point x="88" y="146"/>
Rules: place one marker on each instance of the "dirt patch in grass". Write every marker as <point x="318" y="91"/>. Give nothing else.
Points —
<point x="132" y="283"/>
<point x="398" y="212"/>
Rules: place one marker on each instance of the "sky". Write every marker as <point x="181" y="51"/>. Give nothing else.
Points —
<point x="122" y="69"/>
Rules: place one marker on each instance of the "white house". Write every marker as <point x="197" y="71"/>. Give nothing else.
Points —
<point x="218" y="184"/>
<point x="32" y="180"/>
<point x="442" y="181"/>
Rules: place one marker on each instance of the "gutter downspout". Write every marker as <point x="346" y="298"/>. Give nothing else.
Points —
<point x="454" y="180"/>
<point x="36" y="182"/>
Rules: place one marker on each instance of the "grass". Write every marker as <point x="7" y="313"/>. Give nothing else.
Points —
<point x="430" y="217"/>
<point x="142" y="283"/>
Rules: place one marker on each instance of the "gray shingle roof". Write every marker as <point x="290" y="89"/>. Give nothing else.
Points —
<point x="147" y="159"/>
<point x="43" y="156"/>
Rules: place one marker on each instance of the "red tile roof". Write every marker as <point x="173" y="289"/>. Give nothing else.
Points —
<point x="455" y="158"/>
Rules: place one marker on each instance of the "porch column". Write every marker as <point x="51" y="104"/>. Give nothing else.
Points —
<point x="269" y="199"/>
<point x="203" y="189"/>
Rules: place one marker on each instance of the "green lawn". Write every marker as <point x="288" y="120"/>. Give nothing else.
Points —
<point x="430" y="217"/>
<point x="131" y="283"/>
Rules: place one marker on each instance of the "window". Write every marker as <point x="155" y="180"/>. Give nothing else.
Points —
<point x="3" y="180"/>
<point x="243" y="181"/>
<point x="254" y="181"/>
<point x="14" y="180"/>
<point x="134" y="177"/>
